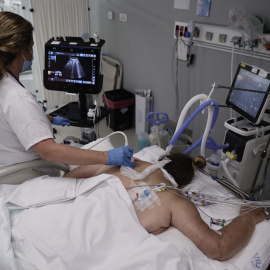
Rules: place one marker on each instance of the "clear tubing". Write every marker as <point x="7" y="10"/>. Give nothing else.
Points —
<point x="210" y="198"/>
<point x="233" y="188"/>
<point x="224" y="200"/>
<point x="158" y="137"/>
<point x="207" y="129"/>
<point x="225" y="168"/>
<point x="200" y="199"/>
<point x="231" y="110"/>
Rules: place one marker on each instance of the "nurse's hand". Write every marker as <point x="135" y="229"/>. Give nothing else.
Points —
<point x="121" y="156"/>
<point x="60" y="121"/>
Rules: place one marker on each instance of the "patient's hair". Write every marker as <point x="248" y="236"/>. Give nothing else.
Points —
<point x="16" y="34"/>
<point x="182" y="167"/>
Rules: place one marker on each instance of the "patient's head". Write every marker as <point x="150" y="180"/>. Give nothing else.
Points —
<point x="182" y="167"/>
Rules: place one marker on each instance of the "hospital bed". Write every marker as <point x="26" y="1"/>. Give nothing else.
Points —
<point x="58" y="223"/>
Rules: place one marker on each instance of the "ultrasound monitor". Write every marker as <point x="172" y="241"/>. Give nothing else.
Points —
<point x="73" y="66"/>
<point x="251" y="105"/>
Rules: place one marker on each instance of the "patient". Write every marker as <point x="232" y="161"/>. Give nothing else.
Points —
<point x="171" y="210"/>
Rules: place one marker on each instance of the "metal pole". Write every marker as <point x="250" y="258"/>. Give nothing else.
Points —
<point x="242" y="89"/>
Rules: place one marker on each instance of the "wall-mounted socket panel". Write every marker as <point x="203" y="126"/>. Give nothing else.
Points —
<point x="110" y="15"/>
<point x="226" y="43"/>
<point x="182" y="50"/>
<point x="123" y="17"/>
<point x="180" y="28"/>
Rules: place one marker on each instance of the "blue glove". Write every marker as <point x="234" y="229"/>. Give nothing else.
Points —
<point x="60" y="121"/>
<point x="121" y="156"/>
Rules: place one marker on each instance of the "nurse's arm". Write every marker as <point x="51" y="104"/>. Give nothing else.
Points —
<point x="49" y="117"/>
<point x="52" y="151"/>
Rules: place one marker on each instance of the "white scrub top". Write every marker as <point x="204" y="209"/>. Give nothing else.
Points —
<point x="23" y="123"/>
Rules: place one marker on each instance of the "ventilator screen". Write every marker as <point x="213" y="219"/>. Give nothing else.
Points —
<point x="250" y="105"/>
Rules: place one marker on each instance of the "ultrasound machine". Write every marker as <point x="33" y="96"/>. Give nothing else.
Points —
<point x="72" y="65"/>
<point x="247" y="157"/>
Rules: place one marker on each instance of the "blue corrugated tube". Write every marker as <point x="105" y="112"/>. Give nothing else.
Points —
<point x="191" y="117"/>
<point x="212" y="145"/>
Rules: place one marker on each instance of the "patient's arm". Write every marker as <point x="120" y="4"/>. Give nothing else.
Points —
<point x="234" y="236"/>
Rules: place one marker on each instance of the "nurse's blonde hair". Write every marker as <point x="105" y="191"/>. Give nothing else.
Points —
<point x="16" y="34"/>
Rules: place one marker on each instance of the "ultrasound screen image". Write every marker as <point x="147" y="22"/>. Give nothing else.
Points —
<point x="249" y="102"/>
<point x="72" y="67"/>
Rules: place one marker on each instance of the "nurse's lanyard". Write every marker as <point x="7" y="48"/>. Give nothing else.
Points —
<point x="14" y="77"/>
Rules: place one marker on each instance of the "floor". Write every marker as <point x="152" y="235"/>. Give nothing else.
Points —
<point x="117" y="140"/>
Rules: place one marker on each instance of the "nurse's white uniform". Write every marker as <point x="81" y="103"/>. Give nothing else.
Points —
<point x="23" y="123"/>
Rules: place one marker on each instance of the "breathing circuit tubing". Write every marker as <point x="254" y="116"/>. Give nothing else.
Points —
<point x="213" y="110"/>
<point x="204" y="141"/>
<point x="212" y="145"/>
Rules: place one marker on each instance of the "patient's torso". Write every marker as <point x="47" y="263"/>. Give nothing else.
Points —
<point x="153" y="208"/>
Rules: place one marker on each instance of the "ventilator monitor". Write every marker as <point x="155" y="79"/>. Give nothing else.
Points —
<point x="251" y="105"/>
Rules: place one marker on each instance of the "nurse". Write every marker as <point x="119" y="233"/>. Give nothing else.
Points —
<point x="25" y="131"/>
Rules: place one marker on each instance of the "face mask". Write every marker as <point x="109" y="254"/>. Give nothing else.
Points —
<point x="27" y="65"/>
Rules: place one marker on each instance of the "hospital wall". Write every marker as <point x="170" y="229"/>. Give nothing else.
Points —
<point x="144" y="44"/>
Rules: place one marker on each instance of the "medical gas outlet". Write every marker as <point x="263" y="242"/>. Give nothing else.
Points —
<point x="184" y="33"/>
<point x="221" y="38"/>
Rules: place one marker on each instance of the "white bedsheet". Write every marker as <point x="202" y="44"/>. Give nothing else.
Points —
<point x="56" y="223"/>
<point x="91" y="224"/>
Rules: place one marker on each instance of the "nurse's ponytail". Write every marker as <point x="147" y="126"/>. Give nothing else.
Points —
<point x="16" y="34"/>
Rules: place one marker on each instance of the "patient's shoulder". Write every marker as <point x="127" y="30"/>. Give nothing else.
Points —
<point x="180" y="205"/>
<point x="185" y="216"/>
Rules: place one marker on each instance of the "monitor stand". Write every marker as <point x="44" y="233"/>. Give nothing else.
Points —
<point x="76" y="112"/>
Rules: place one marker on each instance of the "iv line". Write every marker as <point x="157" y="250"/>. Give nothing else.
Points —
<point x="189" y="195"/>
